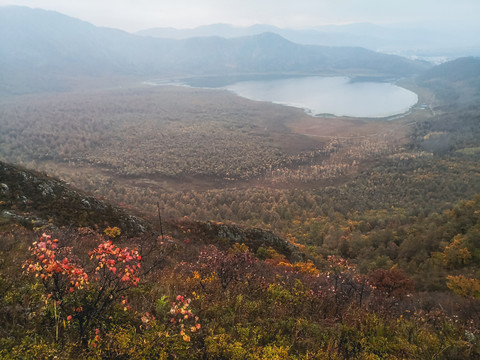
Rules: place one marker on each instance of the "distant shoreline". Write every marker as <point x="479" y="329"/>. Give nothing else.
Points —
<point x="244" y="85"/>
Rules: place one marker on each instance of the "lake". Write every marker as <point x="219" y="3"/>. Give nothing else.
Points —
<point x="337" y="95"/>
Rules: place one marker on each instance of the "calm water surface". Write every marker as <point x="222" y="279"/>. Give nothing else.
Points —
<point x="330" y="95"/>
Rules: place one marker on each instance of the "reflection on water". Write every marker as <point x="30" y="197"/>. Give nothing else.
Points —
<point x="330" y="95"/>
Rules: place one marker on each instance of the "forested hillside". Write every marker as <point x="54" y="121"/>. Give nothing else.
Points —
<point x="200" y="292"/>
<point x="456" y="81"/>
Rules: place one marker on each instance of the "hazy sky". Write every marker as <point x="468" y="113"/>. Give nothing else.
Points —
<point x="134" y="15"/>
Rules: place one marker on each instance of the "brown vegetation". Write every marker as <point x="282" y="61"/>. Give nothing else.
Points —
<point x="393" y="255"/>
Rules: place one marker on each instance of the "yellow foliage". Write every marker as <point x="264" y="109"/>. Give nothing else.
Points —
<point x="223" y="347"/>
<point x="212" y="277"/>
<point x="306" y="268"/>
<point x="274" y="353"/>
<point x="463" y="286"/>
<point x="112" y="232"/>
<point x="456" y="254"/>
<point x="238" y="248"/>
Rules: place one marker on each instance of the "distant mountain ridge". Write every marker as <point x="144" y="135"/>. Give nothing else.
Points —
<point x="407" y="39"/>
<point x="454" y="81"/>
<point x="462" y="69"/>
<point x="43" y="50"/>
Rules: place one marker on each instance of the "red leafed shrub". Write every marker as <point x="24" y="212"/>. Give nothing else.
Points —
<point x="390" y="283"/>
<point x="116" y="263"/>
<point x="84" y="294"/>
<point x="55" y="266"/>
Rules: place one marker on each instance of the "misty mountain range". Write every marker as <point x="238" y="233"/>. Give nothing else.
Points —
<point x="44" y="51"/>
<point x="420" y="40"/>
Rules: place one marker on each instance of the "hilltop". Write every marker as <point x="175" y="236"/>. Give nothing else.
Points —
<point x="35" y="199"/>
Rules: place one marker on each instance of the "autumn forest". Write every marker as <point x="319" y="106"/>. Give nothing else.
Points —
<point x="191" y="223"/>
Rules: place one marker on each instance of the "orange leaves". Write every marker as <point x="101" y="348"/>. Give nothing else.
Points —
<point x="85" y="294"/>
<point x="45" y="264"/>
<point x="49" y="261"/>
<point x="183" y="317"/>
<point x="148" y="320"/>
<point x="306" y="268"/>
<point x="96" y="339"/>
<point x="121" y="262"/>
<point x="298" y="267"/>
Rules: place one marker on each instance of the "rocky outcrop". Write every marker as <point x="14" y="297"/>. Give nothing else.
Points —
<point x="252" y="237"/>
<point x="34" y="198"/>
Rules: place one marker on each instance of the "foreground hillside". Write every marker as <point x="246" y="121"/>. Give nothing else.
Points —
<point x="35" y="199"/>
<point x="380" y="261"/>
<point x="208" y="290"/>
